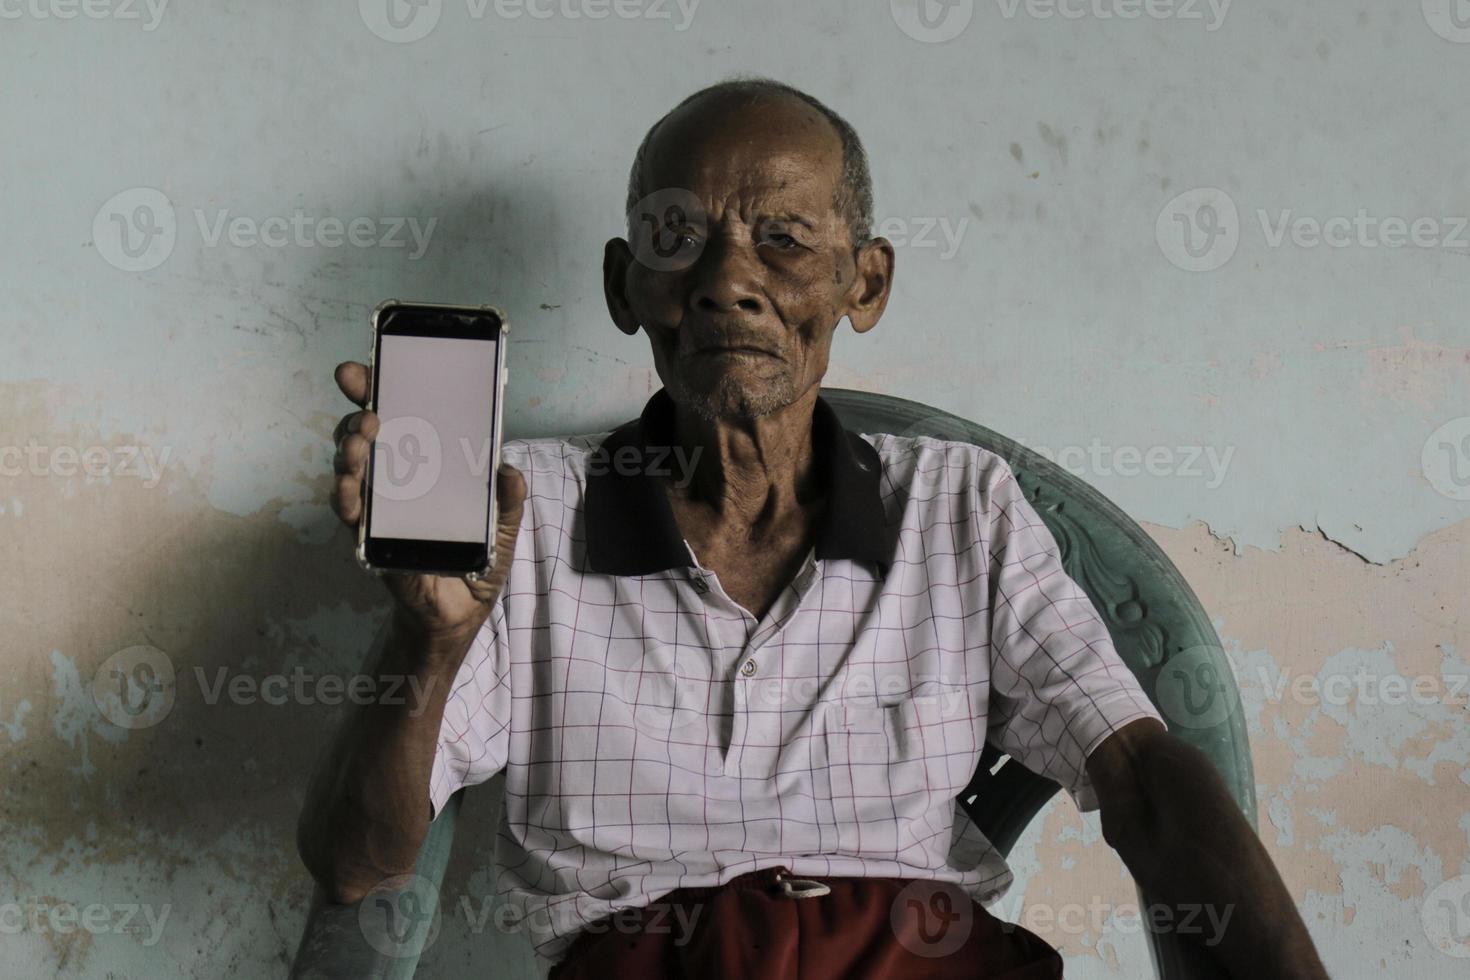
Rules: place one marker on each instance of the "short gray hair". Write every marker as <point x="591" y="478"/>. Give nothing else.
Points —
<point x="854" y="198"/>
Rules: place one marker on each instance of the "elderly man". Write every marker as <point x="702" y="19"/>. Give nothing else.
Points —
<point x="734" y="700"/>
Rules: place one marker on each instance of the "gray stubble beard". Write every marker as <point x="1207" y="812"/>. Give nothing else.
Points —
<point x="730" y="399"/>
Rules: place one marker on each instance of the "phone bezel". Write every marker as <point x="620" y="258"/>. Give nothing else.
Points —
<point x="470" y="559"/>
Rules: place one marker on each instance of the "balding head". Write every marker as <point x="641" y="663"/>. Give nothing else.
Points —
<point x="778" y="113"/>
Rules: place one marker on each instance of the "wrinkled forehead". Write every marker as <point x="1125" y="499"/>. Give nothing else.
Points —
<point x="766" y="157"/>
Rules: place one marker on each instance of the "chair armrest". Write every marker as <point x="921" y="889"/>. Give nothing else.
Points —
<point x="335" y="942"/>
<point x="1003" y="803"/>
<point x="1176" y="959"/>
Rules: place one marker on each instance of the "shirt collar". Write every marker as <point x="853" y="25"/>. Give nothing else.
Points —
<point x="630" y="526"/>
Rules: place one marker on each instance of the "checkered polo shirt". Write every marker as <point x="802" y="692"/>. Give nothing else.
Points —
<point x="655" y="735"/>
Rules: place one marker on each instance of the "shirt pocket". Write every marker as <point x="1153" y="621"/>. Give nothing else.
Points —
<point x="894" y="770"/>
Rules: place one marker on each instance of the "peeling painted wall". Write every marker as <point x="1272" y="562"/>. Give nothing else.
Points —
<point x="1210" y="256"/>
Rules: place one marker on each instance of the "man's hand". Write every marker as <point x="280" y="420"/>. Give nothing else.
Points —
<point x="367" y="807"/>
<point x="1170" y="816"/>
<point x="438" y="606"/>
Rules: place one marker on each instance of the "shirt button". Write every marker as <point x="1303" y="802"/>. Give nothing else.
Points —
<point x="700" y="585"/>
<point x="748" y="668"/>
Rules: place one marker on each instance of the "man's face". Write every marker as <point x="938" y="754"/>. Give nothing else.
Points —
<point x="738" y="267"/>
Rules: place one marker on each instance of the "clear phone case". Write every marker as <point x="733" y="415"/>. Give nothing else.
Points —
<point x="502" y="374"/>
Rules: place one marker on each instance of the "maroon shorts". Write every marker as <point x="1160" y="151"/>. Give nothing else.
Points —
<point x="768" y="924"/>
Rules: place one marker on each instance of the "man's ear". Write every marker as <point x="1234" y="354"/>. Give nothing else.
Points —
<point x="868" y="294"/>
<point x="617" y="257"/>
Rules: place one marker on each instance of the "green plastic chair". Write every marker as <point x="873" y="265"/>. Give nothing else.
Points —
<point x="1157" y="625"/>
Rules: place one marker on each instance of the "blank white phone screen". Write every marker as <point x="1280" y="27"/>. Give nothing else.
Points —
<point x="432" y="460"/>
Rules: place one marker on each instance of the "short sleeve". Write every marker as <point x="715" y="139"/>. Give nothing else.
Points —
<point x="1058" y="685"/>
<point x="474" y="737"/>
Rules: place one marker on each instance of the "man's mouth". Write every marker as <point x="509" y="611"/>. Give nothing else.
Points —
<point x="726" y="351"/>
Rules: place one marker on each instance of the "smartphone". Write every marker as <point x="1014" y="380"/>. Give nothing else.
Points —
<point x="438" y="383"/>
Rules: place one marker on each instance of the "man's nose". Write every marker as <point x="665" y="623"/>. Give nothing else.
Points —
<point x="727" y="280"/>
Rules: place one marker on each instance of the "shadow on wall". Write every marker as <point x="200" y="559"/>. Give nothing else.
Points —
<point x="179" y="799"/>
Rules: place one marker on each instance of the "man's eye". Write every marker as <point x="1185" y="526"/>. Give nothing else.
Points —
<point x="680" y="235"/>
<point x="780" y="240"/>
<point x="672" y="240"/>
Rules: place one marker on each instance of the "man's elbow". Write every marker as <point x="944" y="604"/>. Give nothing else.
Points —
<point x="339" y="890"/>
<point x="1146" y="780"/>
<point x="340" y="884"/>
<point x="1171" y="784"/>
<point x="344" y="893"/>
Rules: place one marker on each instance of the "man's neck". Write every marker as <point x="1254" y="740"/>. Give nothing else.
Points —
<point x="750" y="472"/>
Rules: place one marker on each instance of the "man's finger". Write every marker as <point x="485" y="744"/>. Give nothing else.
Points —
<point x="352" y="455"/>
<point x="352" y="378"/>
<point x="347" y="499"/>
<point x="510" y="494"/>
<point x="364" y="422"/>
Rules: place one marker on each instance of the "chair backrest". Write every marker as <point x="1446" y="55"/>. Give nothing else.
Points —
<point x="1157" y="624"/>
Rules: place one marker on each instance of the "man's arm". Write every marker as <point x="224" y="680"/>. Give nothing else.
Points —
<point x="1164" y="807"/>
<point x="367" y="807"/>
<point x="1171" y="818"/>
